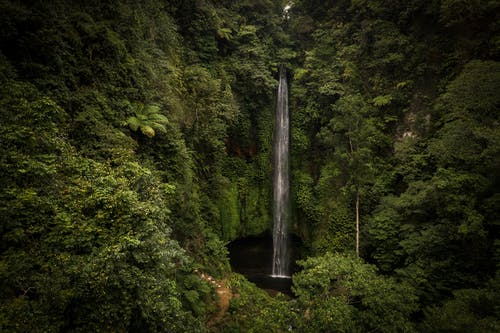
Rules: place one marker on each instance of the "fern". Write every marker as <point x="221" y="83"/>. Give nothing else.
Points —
<point x="148" y="120"/>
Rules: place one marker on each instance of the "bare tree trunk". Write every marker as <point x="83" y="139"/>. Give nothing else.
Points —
<point x="357" y="223"/>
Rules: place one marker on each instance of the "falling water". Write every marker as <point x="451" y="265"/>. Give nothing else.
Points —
<point x="281" y="182"/>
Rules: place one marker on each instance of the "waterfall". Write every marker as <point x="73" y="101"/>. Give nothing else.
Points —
<point x="281" y="183"/>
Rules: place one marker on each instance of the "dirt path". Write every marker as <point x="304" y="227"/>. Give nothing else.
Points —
<point x="224" y="296"/>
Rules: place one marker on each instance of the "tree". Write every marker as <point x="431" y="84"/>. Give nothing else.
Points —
<point x="356" y="135"/>
<point x="440" y="231"/>
<point x="342" y="294"/>
<point x="147" y="119"/>
<point x="470" y="310"/>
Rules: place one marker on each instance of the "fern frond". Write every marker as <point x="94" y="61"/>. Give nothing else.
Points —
<point x="152" y="109"/>
<point x="159" y="127"/>
<point x="159" y="118"/>
<point x="148" y="119"/>
<point x="133" y="123"/>
<point x="138" y="107"/>
<point x="148" y="131"/>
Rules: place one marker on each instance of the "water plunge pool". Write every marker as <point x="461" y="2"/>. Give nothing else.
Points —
<point x="253" y="258"/>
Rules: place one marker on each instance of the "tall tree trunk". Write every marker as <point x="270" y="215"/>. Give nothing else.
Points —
<point x="357" y="223"/>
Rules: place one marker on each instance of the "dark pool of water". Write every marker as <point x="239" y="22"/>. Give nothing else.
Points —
<point x="252" y="257"/>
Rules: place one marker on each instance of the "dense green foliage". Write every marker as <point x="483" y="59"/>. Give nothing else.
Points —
<point x="137" y="141"/>
<point x="130" y="150"/>
<point x="402" y="102"/>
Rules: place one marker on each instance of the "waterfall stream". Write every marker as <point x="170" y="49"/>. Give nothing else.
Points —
<point x="281" y="183"/>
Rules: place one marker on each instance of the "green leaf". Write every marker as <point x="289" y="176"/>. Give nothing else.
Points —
<point x="382" y="100"/>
